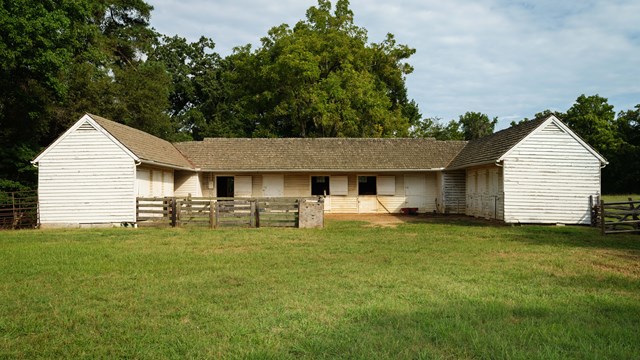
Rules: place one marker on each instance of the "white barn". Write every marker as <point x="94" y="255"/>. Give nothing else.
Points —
<point x="93" y="172"/>
<point x="536" y="172"/>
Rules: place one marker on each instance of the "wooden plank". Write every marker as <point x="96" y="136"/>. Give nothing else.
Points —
<point x="282" y="224"/>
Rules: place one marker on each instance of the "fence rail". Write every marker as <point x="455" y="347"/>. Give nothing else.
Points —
<point x="616" y="217"/>
<point x="223" y="212"/>
<point x="18" y="210"/>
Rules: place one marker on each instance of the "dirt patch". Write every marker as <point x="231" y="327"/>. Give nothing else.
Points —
<point x="393" y="220"/>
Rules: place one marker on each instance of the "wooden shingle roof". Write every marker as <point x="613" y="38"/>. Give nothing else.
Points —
<point x="330" y="154"/>
<point x="490" y="148"/>
<point x="145" y="146"/>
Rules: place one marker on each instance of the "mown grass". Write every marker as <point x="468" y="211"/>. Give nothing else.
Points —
<point x="421" y="290"/>
<point x="620" y="197"/>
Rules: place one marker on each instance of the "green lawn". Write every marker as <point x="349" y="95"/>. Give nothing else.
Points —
<point x="622" y="197"/>
<point x="421" y="290"/>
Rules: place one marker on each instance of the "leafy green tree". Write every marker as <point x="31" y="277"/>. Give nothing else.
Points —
<point x="622" y="174"/>
<point x="593" y="119"/>
<point x="321" y="78"/>
<point x="59" y="59"/>
<point x="476" y="125"/>
<point x="434" y="128"/>
<point x="539" y="115"/>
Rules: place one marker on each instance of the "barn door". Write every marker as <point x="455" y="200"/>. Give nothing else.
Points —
<point x="143" y="182"/>
<point x="415" y="189"/>
<point x="273" y="185"/>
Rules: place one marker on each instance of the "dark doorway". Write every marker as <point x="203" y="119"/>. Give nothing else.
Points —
<point x="224" y="186"/>
<point x="367" y="185"/>
<point x="320" y="185"/>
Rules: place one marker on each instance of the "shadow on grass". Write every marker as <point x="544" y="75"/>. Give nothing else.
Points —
<point x="490" y="329"/>
<point x="574" y="236"/>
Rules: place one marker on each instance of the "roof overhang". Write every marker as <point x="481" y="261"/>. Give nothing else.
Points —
<point x="485" y="163"/>
<point x="74" y="127"/>
<point x="246" y="171"/>
<point x="564" y="128"/>
<point x="161" y="164"/>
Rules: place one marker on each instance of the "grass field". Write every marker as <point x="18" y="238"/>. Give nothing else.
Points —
<point x="462" y="290"/>
<point x="623" y="197"/>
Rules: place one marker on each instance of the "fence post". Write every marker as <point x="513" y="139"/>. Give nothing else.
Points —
<point x="14" y="215"/>
<point x="257" y="213"/>
<point x="252" y="213"/>
<point x="592" y="211"/>
<point x="602" y="221"/>
<point x="217" y="213"/>
<point x="174" y="214"/>
<point x="212" y="218"/>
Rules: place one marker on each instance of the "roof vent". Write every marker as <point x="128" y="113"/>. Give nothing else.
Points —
<point x="86" y="127"/>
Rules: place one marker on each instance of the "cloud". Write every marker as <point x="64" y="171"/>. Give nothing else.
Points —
<point x="504" y="58"/>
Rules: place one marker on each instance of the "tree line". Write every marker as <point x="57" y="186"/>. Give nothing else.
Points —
<point x="321" y="77"/>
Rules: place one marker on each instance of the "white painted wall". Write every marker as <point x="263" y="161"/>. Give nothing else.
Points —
<point x="86" y="178"/>
<point x="187" y="182"/>
<point x="453" y="189"/>
<point x="484" y="197"/>
<point x="548" y="179"/>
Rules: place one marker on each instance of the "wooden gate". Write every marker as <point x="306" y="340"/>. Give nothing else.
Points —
<point x="18" y="210"/>
<point x="221" y="212"/>
<point x="616" y="217"/>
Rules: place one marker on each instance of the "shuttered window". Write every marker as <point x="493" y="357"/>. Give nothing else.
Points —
<point x="386" y="185"/>
<point x="242" y="186"/>
<point x="339" y="185"/>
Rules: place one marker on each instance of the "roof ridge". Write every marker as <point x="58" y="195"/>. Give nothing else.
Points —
<point x="141" y="150"/>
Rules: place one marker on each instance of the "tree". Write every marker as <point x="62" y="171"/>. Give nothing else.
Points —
<point x="622" y="174"/>
<point x="539" y="115"/>
<point x="476" y="125"/>
<point x="434" y="128"/>
<point x="593" y="119"/>
<point x="59" y="59"/>
<point x="321" y="78"/>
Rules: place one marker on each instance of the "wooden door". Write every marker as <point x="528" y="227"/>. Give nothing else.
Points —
<point x="415" y="189"/>
<point x="273" y="185"/>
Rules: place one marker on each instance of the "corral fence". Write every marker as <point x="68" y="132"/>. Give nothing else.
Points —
<point x="615" y="217"/>
<point x="224" y="212"/>
<point x="19" y="210"/>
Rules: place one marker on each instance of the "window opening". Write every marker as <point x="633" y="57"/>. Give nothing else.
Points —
<point x="367" y="185"/>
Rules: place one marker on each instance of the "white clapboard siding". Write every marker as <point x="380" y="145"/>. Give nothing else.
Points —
<point x="257" y="185"/>
<point x="484" y="196"/>
<point x="454" y="184"/>
<point x="86" y="178"/>
<point x="187" y="182"/>
<point x="548" y="178"/>
<point x="143" y="182"/>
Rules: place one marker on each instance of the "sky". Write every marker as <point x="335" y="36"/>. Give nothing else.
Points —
<point x="509" y="59"/>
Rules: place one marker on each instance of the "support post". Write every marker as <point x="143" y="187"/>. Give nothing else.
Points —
<point x="212" y="215"/>
<point x="257" y="213"/>
<point x="602" y="221"/>
<point x="174" y="215"/>
<point x="252" y="213"/>
<point x="217" y="213"/>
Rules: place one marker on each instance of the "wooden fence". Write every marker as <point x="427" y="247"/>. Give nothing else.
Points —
<point x="221" y="212"/>
<point x="18" y="210"/>
<point x="615" y="217"/>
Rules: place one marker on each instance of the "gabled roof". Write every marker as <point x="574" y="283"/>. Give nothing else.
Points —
<point x="489" y="149"/>
<point x="493" y="148"/>
<point x="146" y="147"/>
<point x="330" y="154"/>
